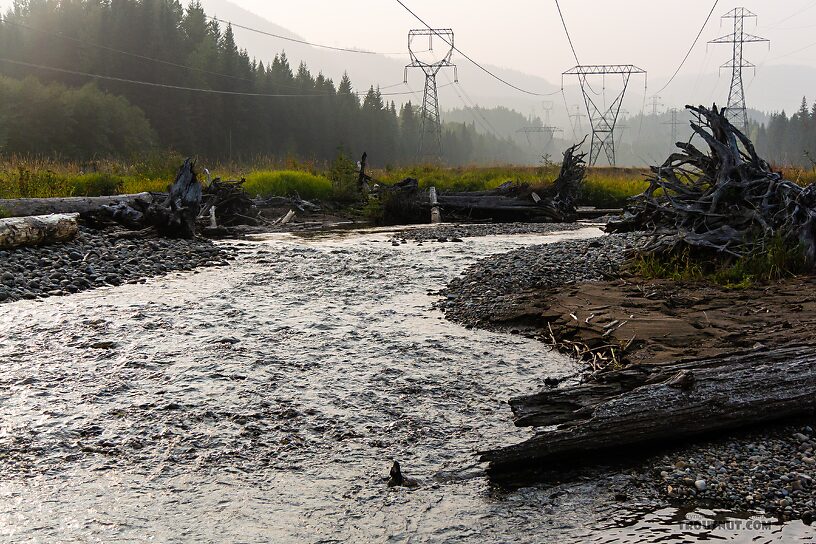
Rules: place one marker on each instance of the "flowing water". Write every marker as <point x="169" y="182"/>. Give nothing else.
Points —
<point x="265" y="402"/>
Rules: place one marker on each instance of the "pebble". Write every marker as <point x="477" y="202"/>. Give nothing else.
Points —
<point x="769" y="471"/>
<point x="95" y="259"/>
<point x="483" y="288"/>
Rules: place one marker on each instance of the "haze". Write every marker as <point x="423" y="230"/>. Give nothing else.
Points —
<point x="526" y="36"/>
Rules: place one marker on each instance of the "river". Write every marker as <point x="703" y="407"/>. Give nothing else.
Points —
<point x="265" y="402"/>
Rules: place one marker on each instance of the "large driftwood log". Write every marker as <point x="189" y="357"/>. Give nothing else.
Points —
<point x="656" y="405"/>
<point x="39" y="230"/>
<point x="25" y="207"/>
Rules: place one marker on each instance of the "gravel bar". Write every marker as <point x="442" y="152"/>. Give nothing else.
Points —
<point x="770" y="470"/>
<point x="494" y="280"/>
<point x="452" y="231"/>
<point x="96" y="259"/>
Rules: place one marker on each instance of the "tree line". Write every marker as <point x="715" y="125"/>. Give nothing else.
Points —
<point x="70" y="114"/>
<point x="789" y="141"/>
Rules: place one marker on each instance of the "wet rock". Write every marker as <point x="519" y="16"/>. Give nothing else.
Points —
<point x="397" y="479"/>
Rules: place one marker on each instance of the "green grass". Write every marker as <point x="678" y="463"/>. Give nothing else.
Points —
<point x="289" y="183"/>
<point x="776" y="260"/>
<point x="465" y="179"/>
<point x="611" y="187"/>
<point x="22" y="177"/>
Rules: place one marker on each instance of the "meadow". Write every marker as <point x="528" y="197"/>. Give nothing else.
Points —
<point x="605" y="187"/>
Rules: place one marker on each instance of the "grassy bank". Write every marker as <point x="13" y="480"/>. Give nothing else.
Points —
<point x="605" y="187"/>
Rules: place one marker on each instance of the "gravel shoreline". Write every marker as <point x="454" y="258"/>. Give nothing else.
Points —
<point x="454" y="231"/>
<point x="97" y="259"/>
<point x="490" y="283"/>
<point x="768" y="470"/>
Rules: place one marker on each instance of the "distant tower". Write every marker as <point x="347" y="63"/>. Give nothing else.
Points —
<point x="656" y="103"/>
<point x="602" y="117"/>
<point x="430" y="135"/>
<point x="577" y="126"/>
<point x="675" y="122"/>
<point x="737" y="112"/>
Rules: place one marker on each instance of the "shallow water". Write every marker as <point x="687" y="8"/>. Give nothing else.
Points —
<point x="265" y="402"/>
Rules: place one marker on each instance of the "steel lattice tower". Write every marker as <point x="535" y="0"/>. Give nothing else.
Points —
<point x="656" y="103"/>
<point x="602" y="119"/>
<point x="577" y="126"/>
<point x="430" y="133"/>
<point x="547" y="130"/>
<point x="736" y="112"/>
<point x="675" y="122"/>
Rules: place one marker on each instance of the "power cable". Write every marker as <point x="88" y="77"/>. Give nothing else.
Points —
<point x="789" y="17"/>
<point x="295" y="40"/>
<point x="688" y="53"/>
<point x="479" y="66"/>
<point x="179" y="87"/>
<point x="121" y="52"/>
<point x="569" y="39"/>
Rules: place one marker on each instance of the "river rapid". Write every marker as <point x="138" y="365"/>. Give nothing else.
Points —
<point x="265" y="402"/>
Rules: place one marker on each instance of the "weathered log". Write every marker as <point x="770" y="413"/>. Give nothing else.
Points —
<point x="37" y="230"/>
<point x="25" y="207"/>
<point x="643" y="406"/>
<point x="499" y="207"/>
<point x="176" y="215"/>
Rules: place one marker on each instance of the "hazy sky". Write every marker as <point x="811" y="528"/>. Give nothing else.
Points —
<point x="527" y="35"/>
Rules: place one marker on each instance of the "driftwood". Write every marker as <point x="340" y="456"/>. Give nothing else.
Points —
<point x="25" y="207"/>
<point x="176" y="215"/>
<point x="512" y="202"/>
<point x="404" y="202"/>
<point x="570" y="180"/>
<point x="728" y="201"/>
<point x="228" y="203"/>
<point x="37" y="230"/>
<point x="662" y="404"/>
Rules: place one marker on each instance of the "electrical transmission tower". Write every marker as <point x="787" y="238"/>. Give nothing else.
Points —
<point x="430" y="135"/>
<point x="602" y="118"/>
<point x="656" y="103"/>
<point x="546" y="129"/>
<point x="675" y="122"/>
<point x="577" y="115"/>
<point x="736" y="111"/>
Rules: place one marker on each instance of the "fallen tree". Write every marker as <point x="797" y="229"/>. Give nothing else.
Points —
<point x="25" y="207"/>
<point x="37" y="230"/>
<point x="229" y="203"/>
<point x="644" y="405"/>
<point x="512" y="202"/>
<point x="404" y="202"/>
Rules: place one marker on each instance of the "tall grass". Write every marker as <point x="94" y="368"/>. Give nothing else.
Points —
<point x="289" y="183"/>
<point x="22" y="177"/>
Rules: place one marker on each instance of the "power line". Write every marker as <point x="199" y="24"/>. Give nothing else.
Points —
<point x="569" y="39"/>
<point x="479" y="66"/>
<point x="179" y="87"/>
<point x="789" y="17"/>
<point x="688" y="53"/>
<point x="121" y="52"/>
<point x="303" y="42"/>
<point x="142" y="57"/>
